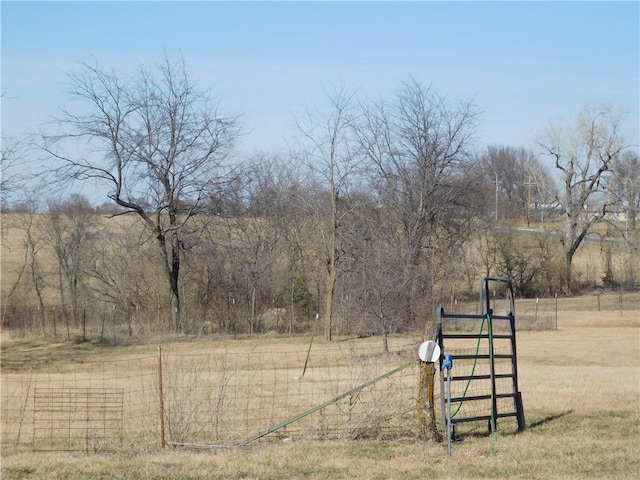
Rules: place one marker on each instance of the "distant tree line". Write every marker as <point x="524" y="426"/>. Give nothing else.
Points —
<point x="380" y="210"/>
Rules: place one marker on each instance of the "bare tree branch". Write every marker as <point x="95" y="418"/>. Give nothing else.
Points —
<point x="157" y="142"/>
<point x="584" y="152"/>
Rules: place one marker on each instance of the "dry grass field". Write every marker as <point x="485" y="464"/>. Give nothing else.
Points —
<point x="581" y="392"/>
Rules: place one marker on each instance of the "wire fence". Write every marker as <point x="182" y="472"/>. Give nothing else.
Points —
<point x="542" y="313"/>
<point x="104" y="324"/>
<point x="211" y="400"/>
<point x="67" y="406"/>
<point x="233" y="398"/>
<point x="108" y="325"/>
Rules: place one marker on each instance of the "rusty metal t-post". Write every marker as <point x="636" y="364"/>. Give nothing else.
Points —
<point x="161" y="395"/>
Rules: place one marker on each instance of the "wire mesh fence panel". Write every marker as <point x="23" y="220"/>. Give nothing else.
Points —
<point x="81" y="406"/>
<point x="225" y="399"/>
<point x="88" y="419"/>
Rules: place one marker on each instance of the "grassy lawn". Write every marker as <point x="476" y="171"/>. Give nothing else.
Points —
<point x="560" y="445"/>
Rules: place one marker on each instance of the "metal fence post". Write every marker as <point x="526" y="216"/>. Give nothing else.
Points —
<point x="161" y="394"/>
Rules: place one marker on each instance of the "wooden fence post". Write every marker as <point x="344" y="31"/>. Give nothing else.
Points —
<point x="426" y="392"/>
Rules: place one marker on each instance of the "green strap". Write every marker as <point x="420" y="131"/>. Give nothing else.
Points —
<point x="473" y="369"/>
<point x="494" y="430"/>
<point x="357" y="389"/>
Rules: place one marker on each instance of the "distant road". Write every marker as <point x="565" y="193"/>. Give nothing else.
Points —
<point x="588" y="239"/>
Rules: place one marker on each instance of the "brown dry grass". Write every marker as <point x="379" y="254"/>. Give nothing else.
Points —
<point x="581" y="389"/>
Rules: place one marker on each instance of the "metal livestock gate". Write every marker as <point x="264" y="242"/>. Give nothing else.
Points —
<point x="484" y="375"/>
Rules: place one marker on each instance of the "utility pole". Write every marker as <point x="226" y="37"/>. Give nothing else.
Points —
<point x="529" y="184"/>
<point x="497" y="189"/>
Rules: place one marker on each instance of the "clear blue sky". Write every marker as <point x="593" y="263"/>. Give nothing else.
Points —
<point x="524" y="63"/>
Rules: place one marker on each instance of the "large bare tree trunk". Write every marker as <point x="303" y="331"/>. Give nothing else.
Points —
<point x="172" y="269"/>
<point x="332" y="274"/>
<point x="176" y="312"/>
<point x="330" y="286"/>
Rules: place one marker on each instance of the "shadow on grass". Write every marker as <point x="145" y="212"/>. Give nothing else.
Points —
<point x="550" y="418"/>
<point x="481" y="431"/>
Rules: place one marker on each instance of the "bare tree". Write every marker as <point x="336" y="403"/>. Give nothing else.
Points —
<point x="123" y="273"/>
<point x="516" y="259"/>
<point x="329" y="152"/>
<point x="583" y="153"/>
<point x="277" y="196"/>
<point x="31" y="273"/>
<point x="376" y="279"/>
<point x="69" y="229"/>
<point x="504" y="168"/>
<point x="220" y="289"/>
<point x="11" y="152"/>
<point x="11" y="178"/>
<point x="419" y="150"/>
<point x="252" y="245"/>
<point x="626" y="185"/>
<point x="156" y="142"/>
<point x="542" y="190"/>
<point x="518" y="179"/>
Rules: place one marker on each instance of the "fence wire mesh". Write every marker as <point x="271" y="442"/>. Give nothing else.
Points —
<point x="110" y="326"/>
<point x="213" y="399"/>
<point x="223" y="398"/>
<point x="80" y="406"/>
<point x="88" y="419"/>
